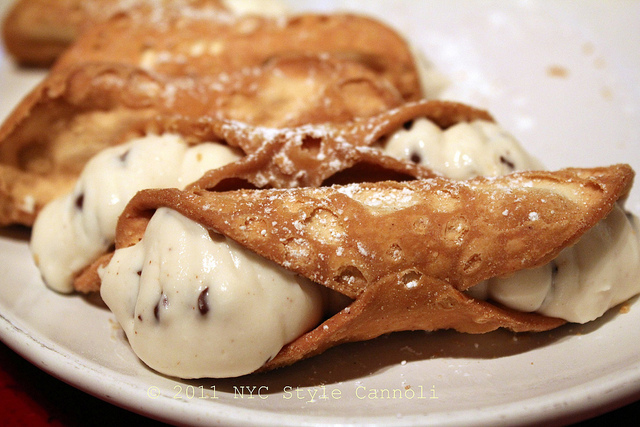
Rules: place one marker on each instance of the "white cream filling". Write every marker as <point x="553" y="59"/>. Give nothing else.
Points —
<point x="194" y="305"/>
<point x="585" y="280"/>
<point x="73" y="230"/>
<point x="465" y="150"/>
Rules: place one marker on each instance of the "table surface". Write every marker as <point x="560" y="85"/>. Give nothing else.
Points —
<point x="29" y="396"/>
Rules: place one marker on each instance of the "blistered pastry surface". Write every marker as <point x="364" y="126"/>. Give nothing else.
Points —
<point x="76" y="113"/>
<point x="403" y="251"/>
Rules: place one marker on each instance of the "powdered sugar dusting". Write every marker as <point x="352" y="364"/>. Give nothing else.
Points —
<point x="381" y="200"/>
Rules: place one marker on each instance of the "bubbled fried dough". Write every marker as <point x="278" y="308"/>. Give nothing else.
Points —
<point x="282" y="163"/>
<point x="479" y="228"/>
<point x="65" y="121"/>
<point x="296" y="89"/>
<point x="330" y="153"/>
<point x="188" y="45"/>
<point x="75" y="113"/>
<point x="36" y="32"/>
<point x="322" y="138"/>
<point x="404" y="252"/>
<point x="266" y="169"/>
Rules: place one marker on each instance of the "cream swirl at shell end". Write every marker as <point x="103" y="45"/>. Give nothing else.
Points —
<point x="195" y="304"/>
<point x="73" y="230"/>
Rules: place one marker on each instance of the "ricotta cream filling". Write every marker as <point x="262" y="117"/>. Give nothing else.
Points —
<point x="463" y="151"/>
<point x="193" y="304"/>
<point x="73" y="230"/>
<point x="599" y="272"/>
<point x="584" y="281"/>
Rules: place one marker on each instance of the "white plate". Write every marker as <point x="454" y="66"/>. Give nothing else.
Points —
<point x="563" y="77"/>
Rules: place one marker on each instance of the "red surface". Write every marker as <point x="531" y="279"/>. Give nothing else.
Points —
<point x="31" y="397"/>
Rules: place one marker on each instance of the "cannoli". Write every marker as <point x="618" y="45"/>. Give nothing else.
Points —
<point x="403" y="255"/>
<point x="70" y="254"/>
<point x="192" y="46"/>
<point x="36" y="32"/>
<point x="276" y="158"/>
<point x="374" y="131"/>
<point x="74" y="114"/>
<point x="307" y="69"/>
